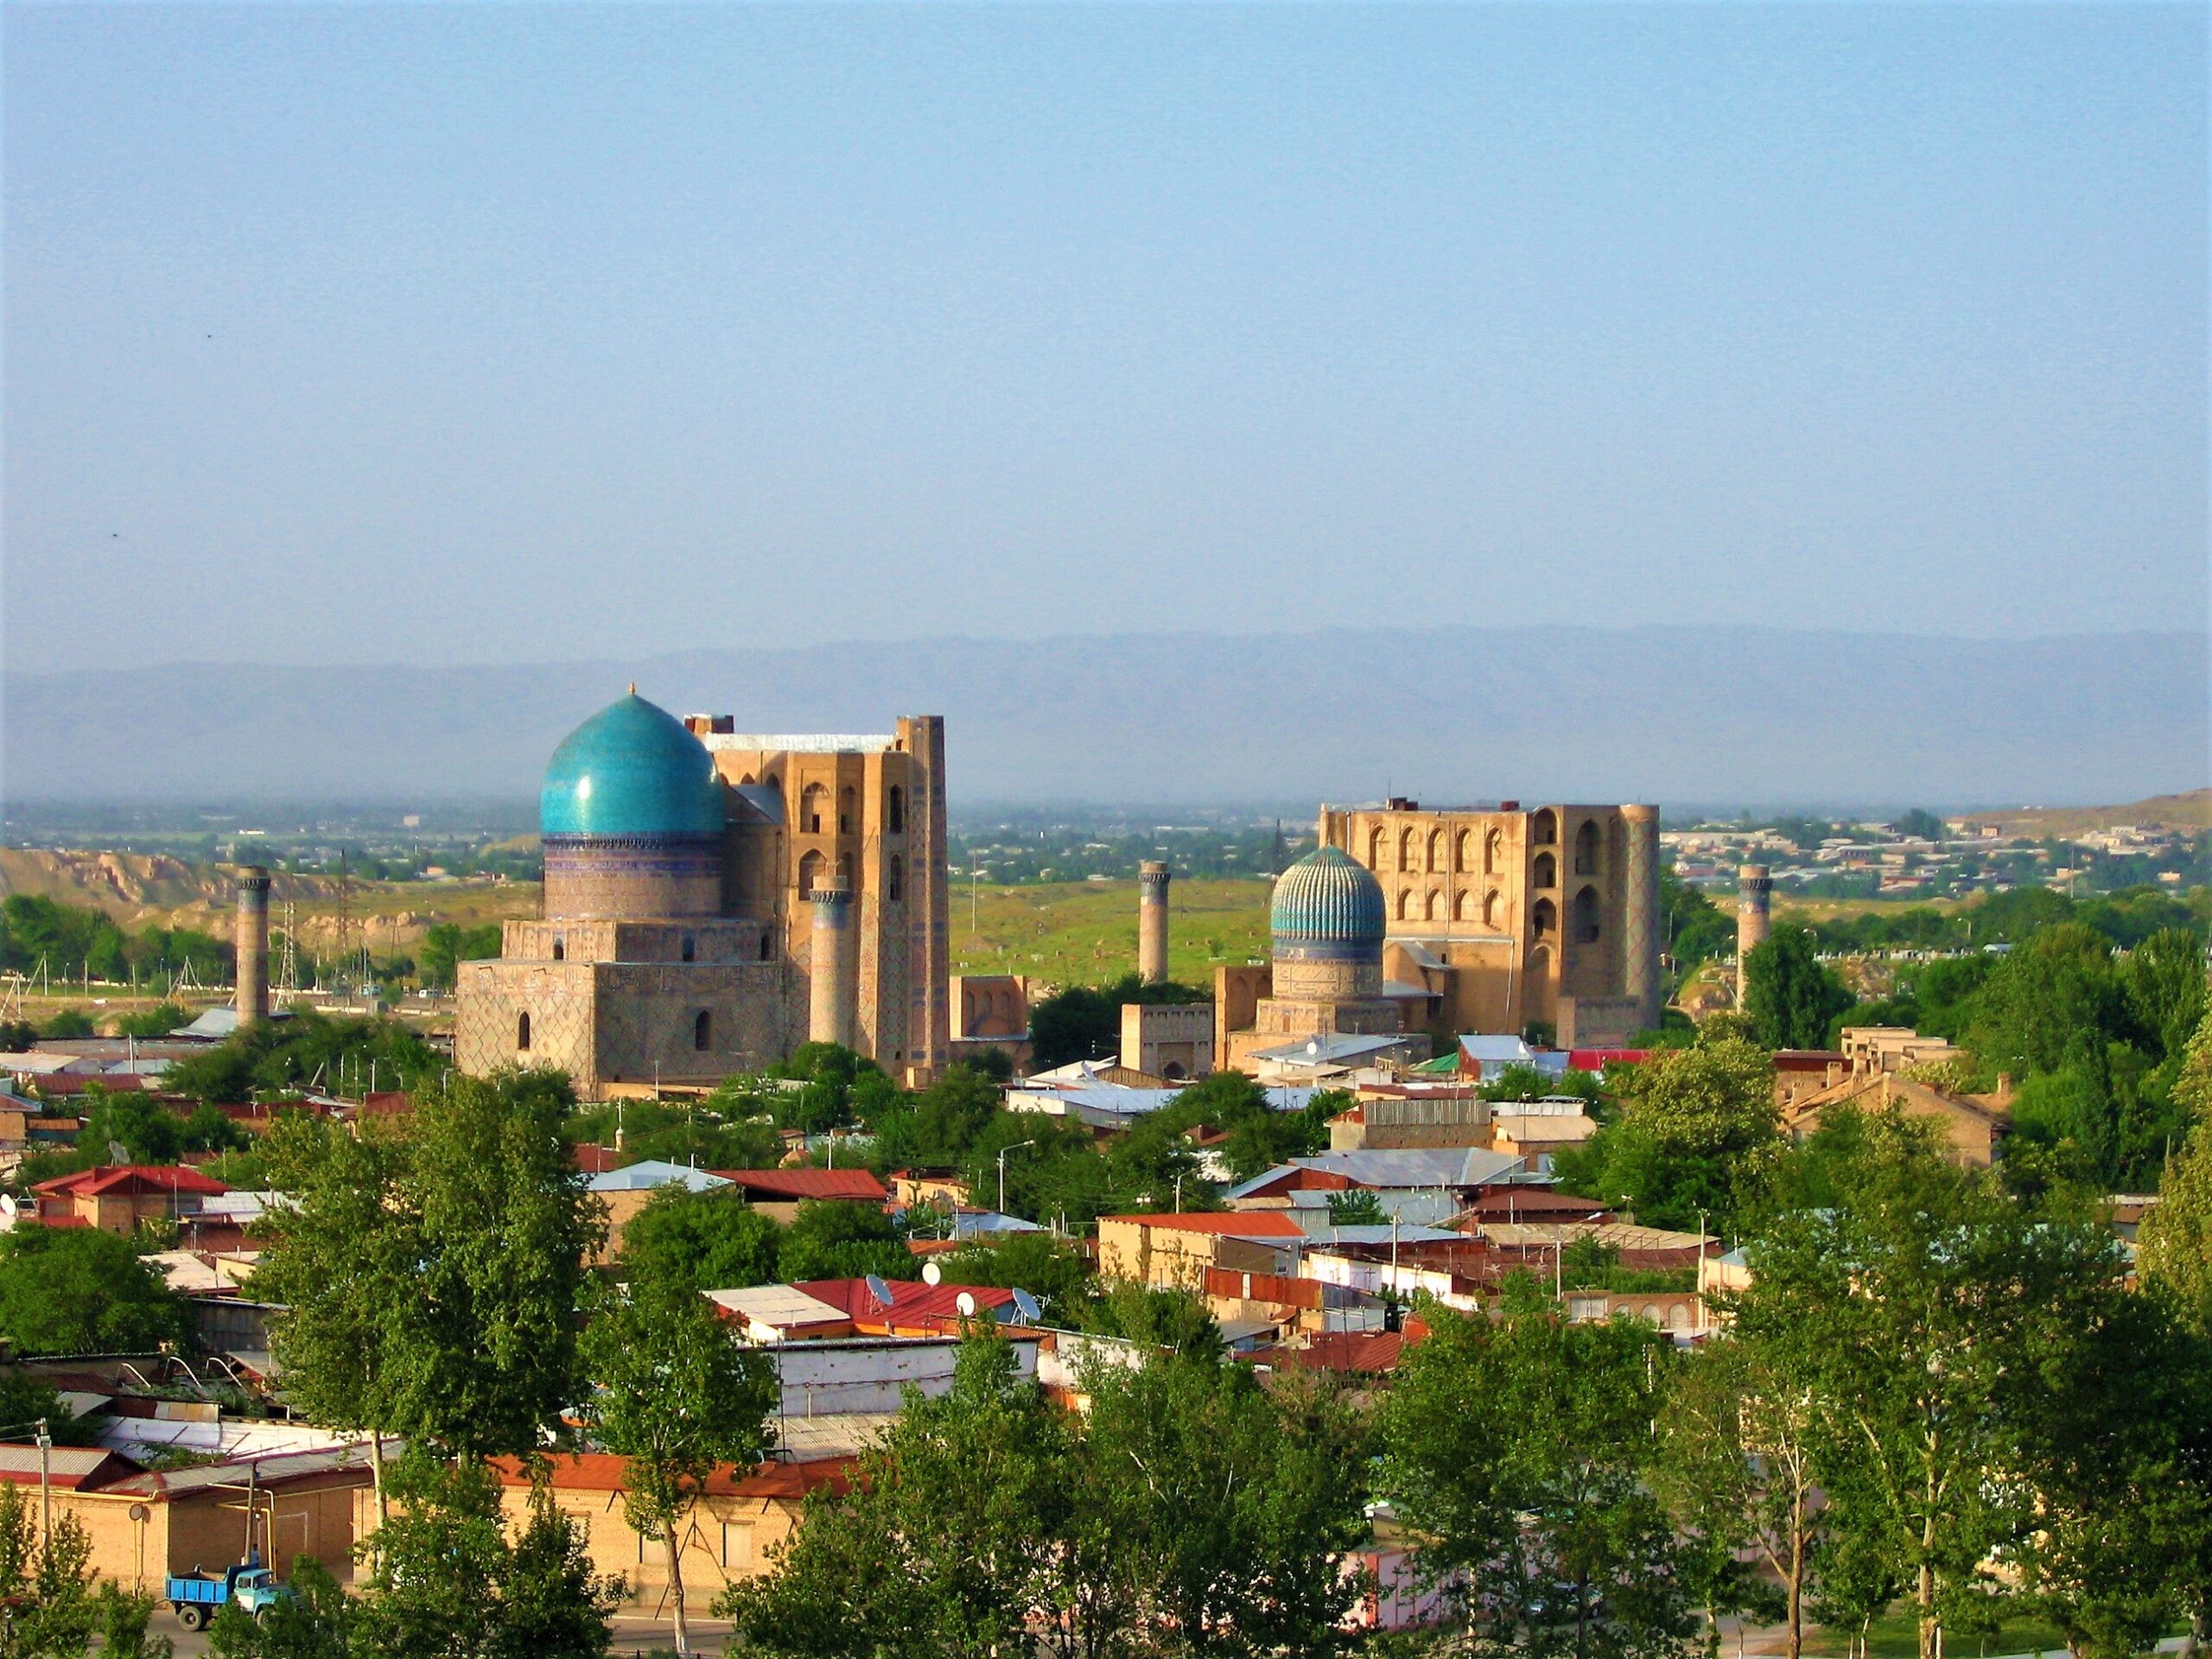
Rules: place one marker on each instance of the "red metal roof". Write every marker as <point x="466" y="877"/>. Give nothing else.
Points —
<point x="808" y="1183"/>
<point x="1373" y="1352"/>
<point x="1597" y="1060"/>
<point x="125" y="1178"/>
<point x="911" y="1300"/>
<point x="597" y="1160"/>
<point x="602" y="1472"/>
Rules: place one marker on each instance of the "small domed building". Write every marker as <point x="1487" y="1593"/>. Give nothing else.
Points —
<point x="714" y="899"/>
<point x="1542" y="919"/>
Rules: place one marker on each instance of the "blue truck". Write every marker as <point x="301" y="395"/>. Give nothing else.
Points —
<point x="197" y="1595"/>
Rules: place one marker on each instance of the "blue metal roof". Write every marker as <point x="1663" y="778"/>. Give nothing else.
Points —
<point x="1327" y="899"/>
<point x="632" y="769"/>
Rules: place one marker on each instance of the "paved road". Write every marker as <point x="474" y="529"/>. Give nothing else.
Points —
<point x="633" y="1633"/>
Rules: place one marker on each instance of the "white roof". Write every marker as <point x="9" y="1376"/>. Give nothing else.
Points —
<point x="777" y="1306"/>
<point x="653" y="1172"/>
<point x="834" y="1434"/>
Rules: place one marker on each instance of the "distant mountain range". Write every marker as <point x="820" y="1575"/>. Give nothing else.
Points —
<point x="1764" y="718"/>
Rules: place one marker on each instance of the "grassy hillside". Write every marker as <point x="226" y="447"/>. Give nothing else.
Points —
<point x="2191" y="811"/>
<point x="1086" y="932"/>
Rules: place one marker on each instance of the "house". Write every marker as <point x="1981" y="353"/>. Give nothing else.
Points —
<point x="778" y="1193"/>
<point x="145" y="1525"/>
<point x="1174" y="1251"/>
<point x="1973" y="1125"/>
<point x="120" y="1198"/>
<point x="726" y="1535"/>
<point x="1416" y="1184"/>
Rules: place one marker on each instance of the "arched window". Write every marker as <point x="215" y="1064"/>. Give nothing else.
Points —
<point x="1586" y="916"/>
<point x="1462" y="907"/>
<point x="1175" y="1071"/>
<point x="1585" y="847"/>
<point x="690" y="949"/>
<point x="764" y="947"/>
<point x="1406" y="849"/>
<point x="809" y="873"/>
<point x="898" y="878"/>
<point x="1405" y="904"/>
<point x="1375" y="847"/>
<point x="894" y="813"/>
<point x="522" y="1033"/>
<point x="1544" y="830"/>
<point x="1547" y="871"/>
<point x="813" y="804"/>
<point x="1492" y="842"/>
<point x="1493" y="908"/>
<point x="1461" y="851"/>
<point x="1435" y="909"/>
<point x="845" y="811"/>
<point x="1435" y="851"/>
<point x="703" y="1030"/>
<point x="559" y="949"/>
<point x="1543" y="918"/>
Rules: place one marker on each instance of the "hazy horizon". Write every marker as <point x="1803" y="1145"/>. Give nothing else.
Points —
<point x="427" y="336"/>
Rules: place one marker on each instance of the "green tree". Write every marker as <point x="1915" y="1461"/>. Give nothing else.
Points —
<point x="1694" y="1132"/>
<point x="1523" y="1448"/>
<point x="708" y="1240"/>
<point x="434" y="1271"/>
<point x="2174" y="1243"/>
<point x="1737" y="1472"/>
<point x="46" y="1583"/>
<point x="26" y="1397"/>
<point x="675" y="1397"/>
<point x="839" y="1238"/>
<point x="1234" y="1536"/>
<point x="81" y="1291"/>
<point x="341" y="1259"/>
<point x="1933" y="1302"/>
<point x="1357" y="1208"/>
<point x="1051" y="1268"/>
<point x="1790" y="994"/>
<point x="450" y="1583"/>
<point x="1083" y="1022"/>
<point x="945" y="1542"/>
<point x="445" y="945"/>
<point x="316" y="1623"/>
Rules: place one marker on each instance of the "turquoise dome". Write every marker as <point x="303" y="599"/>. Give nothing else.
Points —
<point x="632" y="769"/>
<point x="1326" y="901"/>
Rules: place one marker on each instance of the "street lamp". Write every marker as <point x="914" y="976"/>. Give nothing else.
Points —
<point x="1016" y="1147"/>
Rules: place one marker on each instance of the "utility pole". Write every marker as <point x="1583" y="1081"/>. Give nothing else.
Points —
<point x="1017" y="1147"/>
<point x="45" y="1488"/>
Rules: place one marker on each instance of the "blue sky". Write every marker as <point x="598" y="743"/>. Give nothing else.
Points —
<point x="445" y="333"/>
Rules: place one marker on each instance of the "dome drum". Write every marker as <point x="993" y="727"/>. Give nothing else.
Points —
<point x="631" y="878"/>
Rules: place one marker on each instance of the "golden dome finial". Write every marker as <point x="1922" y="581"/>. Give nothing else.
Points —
<point x="633" y="688"/>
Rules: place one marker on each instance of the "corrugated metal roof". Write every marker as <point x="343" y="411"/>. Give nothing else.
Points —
<point x="1230" y="1224"/>
<point x="1329" y="1046"/>
<point x="855" y="1184"/>
<point x="642" y="1177"/>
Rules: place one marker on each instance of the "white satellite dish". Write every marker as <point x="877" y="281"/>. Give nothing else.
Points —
<point x="931" y="1274"/>
<point x="966" y="1304"/>
<point x="1026" y="1305"/>
<point x="881" y="1291"/>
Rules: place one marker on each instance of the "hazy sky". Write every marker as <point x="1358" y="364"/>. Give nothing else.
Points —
<point x="444" y="333"/>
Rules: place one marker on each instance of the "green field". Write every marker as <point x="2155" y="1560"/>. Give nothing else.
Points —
<point x="1085" y="932"/>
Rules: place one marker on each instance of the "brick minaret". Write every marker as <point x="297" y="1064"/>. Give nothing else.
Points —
<point x="252" y="942"/>
<point x="1152" y="921"/>
<point x="832" y="964"/>
<point x="1753" y="918"/>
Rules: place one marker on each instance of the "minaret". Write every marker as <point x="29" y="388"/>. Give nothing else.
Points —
<point x="1152" y="921"/>
<point x="1753" y="919"/>
<point x="1640" y="898"/>
<point x="251" y="940"/>
<point x="832" y="985"/>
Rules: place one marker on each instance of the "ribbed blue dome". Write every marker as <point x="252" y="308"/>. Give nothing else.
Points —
<point x="1326" y="899"/>
<point x="631" y="770"/>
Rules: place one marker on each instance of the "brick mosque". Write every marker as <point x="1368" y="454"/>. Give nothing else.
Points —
<point x="713" y="898"/>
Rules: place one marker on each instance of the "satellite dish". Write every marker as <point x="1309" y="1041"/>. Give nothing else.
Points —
<point x="931" y="1274"/>
<point x="966" y="1304"/>
<point x="881" y="1291"/>
<point x="1026" y="1305"/>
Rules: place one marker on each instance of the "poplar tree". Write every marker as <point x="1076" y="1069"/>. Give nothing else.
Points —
<point x="676" y="1397"/>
